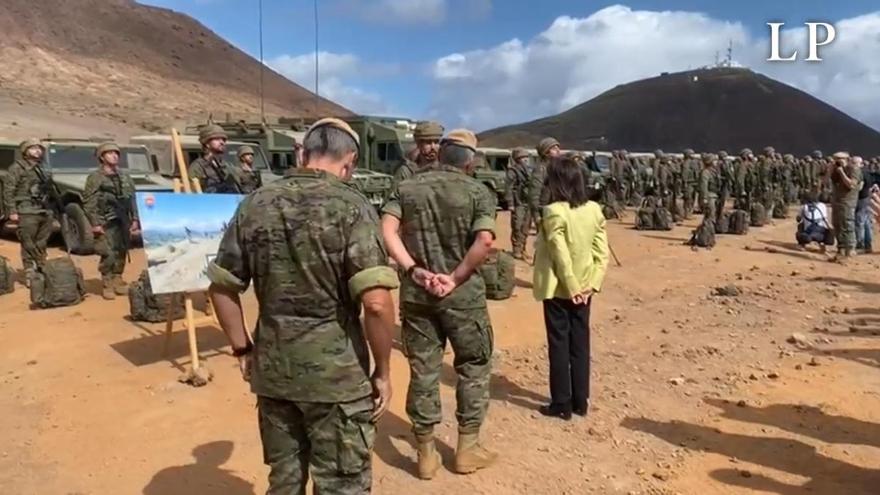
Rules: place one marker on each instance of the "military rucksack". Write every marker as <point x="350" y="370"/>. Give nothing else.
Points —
<point x="146" y="306"/>
<point x="645" y="215"/>
<point x="704" y="235"/>
<point x="58" y="283"/>
<point x="758" y="215"/>
<point x="499" y="274"/>
<point x="780" y="210"/>
<point x="738" y="223"/>
<point x="662" y="218"/>
<point x="609" y="212"/>
<point x="7" y="276"/>
<point x="723" y="223"/>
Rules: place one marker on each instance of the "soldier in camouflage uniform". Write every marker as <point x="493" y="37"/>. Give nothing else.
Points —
<point x="213" y="172"/>
<point x="710" y="187"/>
<point x="312" y="246"/>
<point x="109" y="202"/>
<point x="427" y="135"/>
<point x="663" y="178"/>
<point x="247" y="178"/>
<point x="762" y="189"/>
<point x="727" y="178"/>
<point x="447" y="220"/>
<point x="743" y="180"/>
<point x="518" y="200"/>
<point x="618" y="176"/>
<point x="548" y="148"/>
<point x="690" y="177"/>
<point x="791" y="178"/>
<point x="27" y="203"/>
<point x="846" y="178"/>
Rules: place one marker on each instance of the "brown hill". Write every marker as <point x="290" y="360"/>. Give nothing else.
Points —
<point x="137" y="65"/>
<point x="710" y="109"/>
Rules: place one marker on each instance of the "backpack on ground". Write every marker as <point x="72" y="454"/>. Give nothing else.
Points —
<point x="146" y="306"/>
<point x="609" y="212"/>
<point x="499" y="274"/>
<point x="662" y="219"/>
<point x="7" y="276"/>
<point x="758" y="215"/>
<point x="704" y="235"/>
<point x="780" y="210"/>
<point x="738" y="223"/>
<point x="58" y="283"/>
<point x="723" y="224"/>
<point x="645" y="215"/>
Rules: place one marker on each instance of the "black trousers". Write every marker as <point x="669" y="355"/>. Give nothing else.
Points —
<point x="568" y="343"/>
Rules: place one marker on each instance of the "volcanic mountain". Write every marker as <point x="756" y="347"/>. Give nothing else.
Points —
<point x="138" y="66"/>
<point x="707" y="109"/>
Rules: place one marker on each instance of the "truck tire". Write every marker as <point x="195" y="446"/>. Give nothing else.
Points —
<point x="77" y="230"/>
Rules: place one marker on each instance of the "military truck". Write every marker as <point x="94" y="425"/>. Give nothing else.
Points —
<point x="71" y="161"/>
<point x="491" y="170"/>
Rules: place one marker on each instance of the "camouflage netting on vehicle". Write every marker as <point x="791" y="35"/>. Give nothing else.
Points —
<point x="499" y="274"/>
<point x="7" y="276"/>
<point x="59" y="283"/>
<point x="146" y="306"/>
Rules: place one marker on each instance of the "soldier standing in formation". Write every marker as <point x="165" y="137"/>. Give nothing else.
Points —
<point x="518" y="201"/>
<point x="427" y="135"/>
<point x="691" y="171"/>
<point x="742" y="184"/>
<point x="309" y="363"/>
<point x="443" y="298"/>
<point x="27" y="202"/>
<point x="211" y="169"/>
<point x="710" y="187"/>
<point x="846" y="179"/>
<point x="247" y="178"/>
<point x="727" y="178"/>
<point x="108" y="200"/>
<point x="548" y="149"/>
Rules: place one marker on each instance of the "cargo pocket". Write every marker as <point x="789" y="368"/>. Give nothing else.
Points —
<point x="487" y="339"/>
<point x="355" y="436"/>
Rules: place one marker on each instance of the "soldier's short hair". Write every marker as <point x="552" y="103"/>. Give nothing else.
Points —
<point x="455" y="155"/>
<point x="328" y="141"/>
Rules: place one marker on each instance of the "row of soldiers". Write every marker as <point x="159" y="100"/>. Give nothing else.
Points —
<point x="33" y="202"/>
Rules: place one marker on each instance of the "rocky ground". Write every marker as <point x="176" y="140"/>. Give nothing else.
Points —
<point x="751" y="368"/>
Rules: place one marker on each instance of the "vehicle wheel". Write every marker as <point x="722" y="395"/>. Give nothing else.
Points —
<point x="77" y="230"/>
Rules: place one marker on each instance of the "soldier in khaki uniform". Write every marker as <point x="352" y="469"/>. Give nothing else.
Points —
<point x="710" y="187"/>
<point x="247" y="178"/>
<point x="448" y="224"/>
<point x="427" y="135"/>
<point x="26" y="198"/>
<point x="846" y="180"/>
<point x="109" y="202"/>
<point x="690" y="178"/>
<point x="211" y="169"/>
<point x="311" y="244"/>
<point x="548" y="149"/>
<point x="518" y="200"/>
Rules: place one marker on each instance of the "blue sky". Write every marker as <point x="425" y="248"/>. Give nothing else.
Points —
<point x="483" y="63"/>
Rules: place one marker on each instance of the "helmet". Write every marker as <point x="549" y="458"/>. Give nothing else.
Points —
<point x="245" y="150"/>
<point x="212" y="131"/>
<point x="688" y="151"/>
<point x="658" y="153"/>
<point x="519" y="153"/>
<point x="769" y="150"/>
<point x="722" y="154"/>
<point x="745" y="151"/>
<point x="30" y="143"/>
<point x="816" y="154"/>
<point x="106" y="148"/>
<point x="545" y="144"/>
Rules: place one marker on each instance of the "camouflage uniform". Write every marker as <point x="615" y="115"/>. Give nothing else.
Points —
<point x="843" y="207"/>
<point x="312" y="245"/>
<point x="246" y="178"/>
<point x="462" y="207"/>
<point x="215" y="175"/>
<point x="518" y="201"/>
<point x="663" y="178"/>
<point x="710" y="186"/>
<point x="26" y="193"/>
<point x="691" y="171"/>
<point x="109" y="202"/>
<point x="425" y="130"/>
<point x="743" y="180"/>
<point x="762" y="189"/>
<point x="727" y="178"/>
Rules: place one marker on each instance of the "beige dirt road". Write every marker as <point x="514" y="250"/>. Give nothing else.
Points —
<point x="692" y="393"/>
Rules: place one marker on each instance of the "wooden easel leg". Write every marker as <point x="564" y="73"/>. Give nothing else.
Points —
<point x="191" y="332"/>
<point x="169" y="325"/>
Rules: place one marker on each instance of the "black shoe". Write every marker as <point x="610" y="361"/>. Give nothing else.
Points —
<point x="556" y="411"/>
<point x="581" y="410"/>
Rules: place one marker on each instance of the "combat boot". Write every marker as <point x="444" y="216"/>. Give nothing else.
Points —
<point x="108" y="291"/>
<point x="429" y="458"/>
<point x="470" y="456"/>
<point x="519" y="255"/>
<point x="119" y="286"/>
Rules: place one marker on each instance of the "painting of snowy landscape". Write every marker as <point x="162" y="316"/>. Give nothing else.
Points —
<point x="181" y="235"/>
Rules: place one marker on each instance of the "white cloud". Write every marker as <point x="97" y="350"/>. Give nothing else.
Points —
<point x="335" y="69"/>
<point x="414" y="12"/>
<point x="576" y="59"/>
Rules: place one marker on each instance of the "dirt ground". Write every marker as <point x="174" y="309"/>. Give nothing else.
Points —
<point x="692" y="393"/>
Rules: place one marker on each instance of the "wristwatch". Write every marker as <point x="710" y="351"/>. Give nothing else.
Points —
<point x="409" y="271"/>
<point x="243" y="351"/>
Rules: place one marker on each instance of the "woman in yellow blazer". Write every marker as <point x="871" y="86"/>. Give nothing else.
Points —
<point x="571" y="256"/>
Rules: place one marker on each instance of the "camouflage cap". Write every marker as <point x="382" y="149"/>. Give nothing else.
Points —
<point x="788" y="156"/>
<point x="106" y="148"/>
<point x="816" y="154"/>
<point x="30" y="143"/>
<point x="746" y="151"/>
<point x="519" y="153"/>
<point x="211" y="131"/>
<point x="245" y="150"/>
<point x="545" y="144"/>
<point x="427" y="129"/>
<point x="461" y="137"/>
<point x="688" y="151"/>
<point x="338" y="124"/>
<point x="769" y="150"/>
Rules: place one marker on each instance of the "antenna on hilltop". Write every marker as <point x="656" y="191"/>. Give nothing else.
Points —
<point x="729" y="61"/>
<point x="262" y="68"/>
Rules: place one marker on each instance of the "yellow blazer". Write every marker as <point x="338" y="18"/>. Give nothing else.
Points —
<point x="571" y="251"/>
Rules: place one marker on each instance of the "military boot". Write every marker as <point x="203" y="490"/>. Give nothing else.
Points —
<point x="28" y="277"/>
<point x="429" y="458"/>
<point x="119" y="286"/>
<point x="108" y="292"/>
<point x="470" y="456"/>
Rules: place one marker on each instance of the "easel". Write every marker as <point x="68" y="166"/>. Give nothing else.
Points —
<point x="197" y="375"/>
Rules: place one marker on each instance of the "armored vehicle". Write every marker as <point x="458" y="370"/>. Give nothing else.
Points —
<point x="71" y="161"/>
